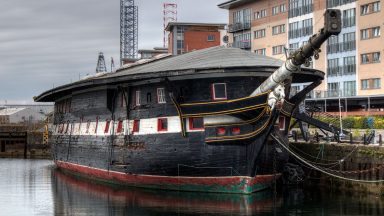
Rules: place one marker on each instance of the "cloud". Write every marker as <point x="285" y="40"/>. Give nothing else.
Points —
<point x="48" y="43"/>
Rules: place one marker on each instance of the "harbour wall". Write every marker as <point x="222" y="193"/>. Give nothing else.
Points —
<point x="350" y="161"/>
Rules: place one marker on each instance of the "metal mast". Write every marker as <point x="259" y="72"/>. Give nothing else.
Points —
<point x="170" y="15"/>
<point x="128" y="30"/>
<point x="101" y="66"/>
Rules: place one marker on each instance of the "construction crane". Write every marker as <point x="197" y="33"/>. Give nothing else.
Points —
<point x="128" y="30"/>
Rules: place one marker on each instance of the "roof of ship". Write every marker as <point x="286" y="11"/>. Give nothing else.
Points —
<point x="220" y="59"/>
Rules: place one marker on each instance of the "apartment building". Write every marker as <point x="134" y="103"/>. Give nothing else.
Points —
<point x="351" y="60"/>
<point x="186" y="37"/>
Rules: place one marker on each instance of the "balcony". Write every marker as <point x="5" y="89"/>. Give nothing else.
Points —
<point x="306" y="9"/>
<point x="349" y="46"/>
<point x="334" y="93"/>
<point x="349" y="21"/>
<point x="335" y="3"/>
<point x="334" y="71"/>
<point x="349" y="69"/>
<point x="242" y="44"/>
<point x="334" y="48"/>
<point x="306" y="31"/>
<point x="239" y="27"/>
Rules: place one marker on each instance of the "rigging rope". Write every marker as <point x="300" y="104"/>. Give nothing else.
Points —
<point x="319" y="169"/>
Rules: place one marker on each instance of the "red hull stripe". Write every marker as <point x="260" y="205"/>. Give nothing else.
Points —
<point x="228" y="184"/>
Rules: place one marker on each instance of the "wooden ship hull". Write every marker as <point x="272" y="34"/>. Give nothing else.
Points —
<point x="183" y="122"/>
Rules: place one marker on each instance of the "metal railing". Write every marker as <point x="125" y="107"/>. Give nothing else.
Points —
<point x="242" y="44"/>
<point x="239" y="26"/>
<point x="334" y="71"/>
<point x="298" y="11"/>
<point x="349" y="69"/>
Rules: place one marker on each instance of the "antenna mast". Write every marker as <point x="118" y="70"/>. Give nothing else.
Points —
<point x="101" y="66"/>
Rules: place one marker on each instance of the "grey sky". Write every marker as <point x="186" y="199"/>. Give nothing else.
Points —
<point x="45" y="43"/>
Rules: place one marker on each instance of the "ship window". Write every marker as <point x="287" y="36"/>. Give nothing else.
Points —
<point x="235" y="130"/>
<point x="97" y="124"/>
<point x="107" y="123"/>
<point x="281" y="122"/>
<point x="119" y="126"/>
<point x="220" y="131"/>
<point x="66" y="129"/>
<point x="136" y="126"/>
<point x="196" y="123"/>
<point x="219" y="91"/>
<point x="162" y="124"/>
<point x="122" y="100"/>
<point x="137" y="98"/>
<point x="160" y="95"/>
<point x="149" y="97"/>
<point x="88" y="124"/>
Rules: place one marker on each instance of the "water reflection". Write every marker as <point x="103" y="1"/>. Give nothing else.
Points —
<point x="77" y="196"/>
<point x="35" y="187"/>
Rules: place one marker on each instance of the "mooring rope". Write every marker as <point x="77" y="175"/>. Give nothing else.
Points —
<point x="319" y="169"/>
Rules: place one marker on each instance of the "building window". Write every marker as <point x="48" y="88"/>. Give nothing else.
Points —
<point x="107" y="123"/>
<point x="376" y="31"/>
<point x="278" y="29"/>
<point x="137" y="98"/>
<point x="294" y="31"/>
<point x="333" y="67"/>
<point x="364" y="34"/>
<point x="283" y="8"/>
<point x="136" y="126"/>
<point x="260" y="51"/>
<point x="219" y="91"/>
<point x="364" y="9"/>
<point x="368" y="58"/>
<point x="242" y="40"/>
<point x="162" y="124"/>
<point x="294" y="46"/>
<point x="364" y="84"/>
<point x="307" y="28"/>
<point x="275" y="10"/>
<point x="376" y="57"/>
<point x="259" y="33"/>
<point x="370" y="33"/>
<point x="277" y="49"/>
<point x="196" y="123"/>
<point x="333" y="89"/>
<point x="349" y="18"/>
<point x="119" y="126"/>
<point x="161" y="95"/>
<point x="375" y="7"/>
<point x="376" y="84"/>
<point x="349" y="43"/>
<point x="349" y="66"/>
<point x="211" y="38"/>
<point x="300" y="7"/>
<point x="260" y="14"/>
<point x="350" y="88"/>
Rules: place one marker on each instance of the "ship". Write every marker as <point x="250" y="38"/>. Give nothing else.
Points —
<point x="200" y="121"/>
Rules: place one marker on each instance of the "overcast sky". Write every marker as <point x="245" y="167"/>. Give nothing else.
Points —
<point x="46" y="43"/>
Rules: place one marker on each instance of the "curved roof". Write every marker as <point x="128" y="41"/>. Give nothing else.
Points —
<point x="212" y="60"/>
<point x="214" y="57"/>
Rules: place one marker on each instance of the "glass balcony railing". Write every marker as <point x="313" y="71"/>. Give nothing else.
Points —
<point x="239" y="27"/>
